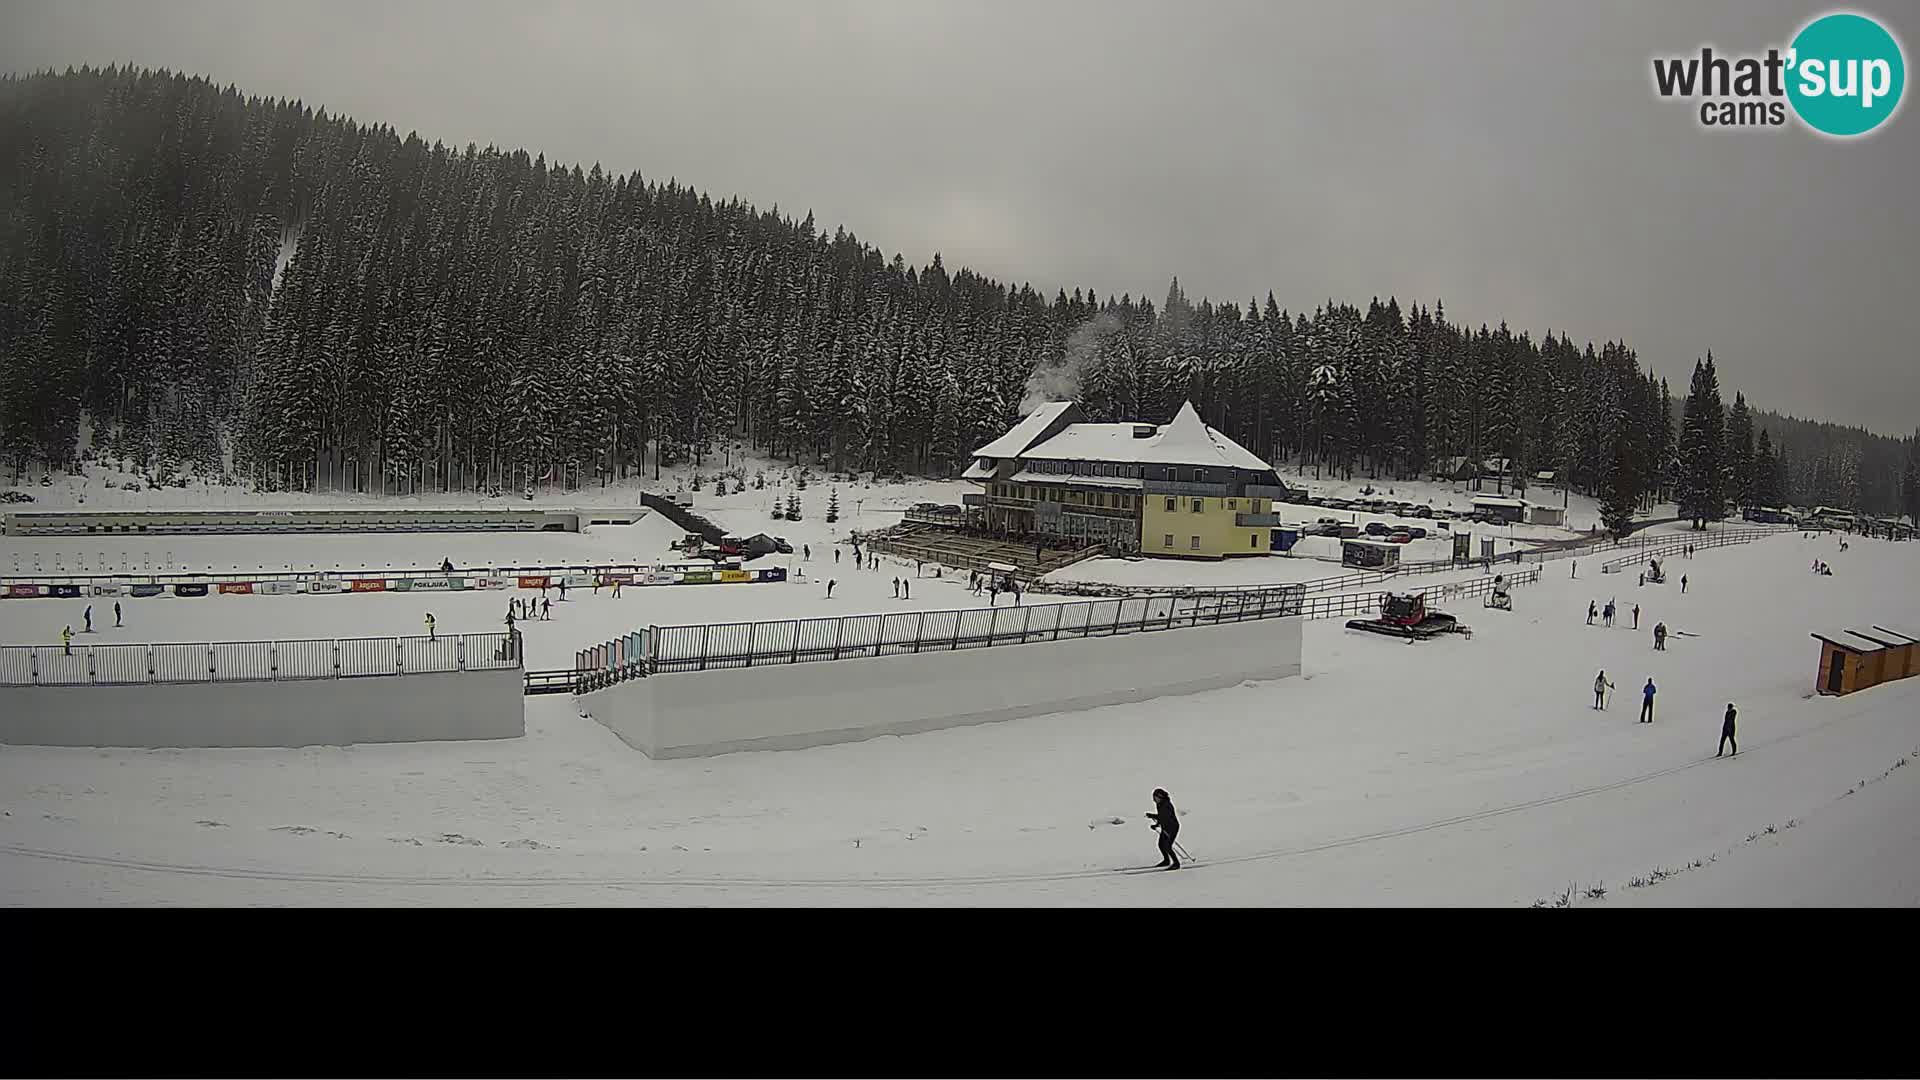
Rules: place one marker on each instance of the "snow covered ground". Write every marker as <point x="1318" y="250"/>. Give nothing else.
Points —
<point x="1473" y="772"/>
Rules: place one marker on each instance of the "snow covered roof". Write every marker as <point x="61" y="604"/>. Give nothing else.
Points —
<point x="1907" y="632"/>
<point x="1847" y="640"/>
<point x="977" y="471"/>
<point x="1491" y="500"/>
<point x="1021" y="435"/>
<point x="1880" y="637"/>
<point x="1184" y="440"/>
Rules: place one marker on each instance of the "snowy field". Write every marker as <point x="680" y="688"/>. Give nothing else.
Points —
<point x="1474" y="772"/>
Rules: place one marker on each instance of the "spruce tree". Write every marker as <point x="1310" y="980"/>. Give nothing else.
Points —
<point x="833" y="506"/>
<point x="1739" y="451"/>
<point x="1702" y="472"/>
<point x="1622" y="489"/>
<point x="1766" y="478"/>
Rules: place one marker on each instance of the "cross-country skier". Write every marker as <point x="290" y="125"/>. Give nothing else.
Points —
<point x="429" y="621"/>
<point x="116" y="613"/>
<point x="1726" y="733"/>
<point x="1601" y="684"/>
<point x="1636" y="616"/>
<point x="830" y="584"/>
<point x="1165" y="820"/>
<point x="88" y="615"/>
<point x="1683" y="583"/>
<point x="1592" y="610"/>
<point x="1646" y="702"/>
<point x="546" y="609"/>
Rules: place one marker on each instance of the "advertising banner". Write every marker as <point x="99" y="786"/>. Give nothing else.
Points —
<point x="533" y="582"/>
<point x="235" y="587"/>
<point x="735" y="575"/>
<point x="696" y="577"/>
<point x="774" y="573"/>
<point x="279" y="588"/>
<point x="328" y="586"/>
<point x="492" y="583"/>
<point x="368" y="585"/>
<point x="109" y="590"/>
<point x="146" y="590"/>
<point x="577" y="581"/>
<point x="63" y="590"/>
<point x="421" y="584"/>
<point x="24" y="590"/>
<point x="661" y="578"/>
<point x="617" y="579"/>
<point x="198" y="588"/>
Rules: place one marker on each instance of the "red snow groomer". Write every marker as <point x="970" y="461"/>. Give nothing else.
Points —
<point x="1406" y="616"/>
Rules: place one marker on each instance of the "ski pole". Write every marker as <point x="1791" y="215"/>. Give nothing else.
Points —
<point x="1183" y="851"/>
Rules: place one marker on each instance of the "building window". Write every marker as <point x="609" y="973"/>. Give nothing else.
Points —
<point x="1170" y="509"/>
<point x="1193" y="543"/>
<point x="1233" y="504"/>
<point x="1199" y="476"/>
<point x="1168" y="542"/>
<point x="1253" y="541"/>
<point x="1199" y="506"/>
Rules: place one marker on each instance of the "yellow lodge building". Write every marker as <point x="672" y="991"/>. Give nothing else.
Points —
<point x="1178" y="490"/>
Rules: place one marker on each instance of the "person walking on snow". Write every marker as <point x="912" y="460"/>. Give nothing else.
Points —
<point x="1609" y="613"/>
<point x="66" y="639"/>
<point x="1592" y="610"/>
<point x="1601" y="684"/>
<point x="88" y="615"/>
<point x="546" y="610"/>
<point x="836" y="556"/>
<point x="806" y="551"/>
<point x="116" y="613"/>
<point x="1726" y="734"/>
<point x="896" y="588"/>
<point x="563" y="590"/>
<point x="830" y="584"/>
<point x="1646" y="703"/>
<point x="1683" y="583"/>
<point x="1636" y="616"/>
<point x="1643" y="579"/>
<point x="993" y="596"/>
<point x="429" y="621"/>
<point x="1168" y="823"/>
<point x="906" y="589"/>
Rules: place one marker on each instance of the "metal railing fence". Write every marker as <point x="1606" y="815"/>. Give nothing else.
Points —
<point x="254" y="661"/>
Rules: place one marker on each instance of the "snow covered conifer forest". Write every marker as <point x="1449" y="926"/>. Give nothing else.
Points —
<point x="197" y="281"/>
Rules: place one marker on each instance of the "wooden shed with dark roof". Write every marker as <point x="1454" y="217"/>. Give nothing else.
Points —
<point x="1853" y="660"/>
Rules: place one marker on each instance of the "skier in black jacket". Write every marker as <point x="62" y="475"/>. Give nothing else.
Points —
<point x="1165" y="820"/>
<point x="1726" y="733"/>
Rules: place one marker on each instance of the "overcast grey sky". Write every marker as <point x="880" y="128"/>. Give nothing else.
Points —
<point x="1508" y="158"/>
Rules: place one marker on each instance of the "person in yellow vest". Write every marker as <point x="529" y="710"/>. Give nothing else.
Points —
<point x="66" y="639"/>
<point x="430" y="636"/>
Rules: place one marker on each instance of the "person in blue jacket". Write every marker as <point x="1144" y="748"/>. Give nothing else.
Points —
<point x="1646" y="703"/>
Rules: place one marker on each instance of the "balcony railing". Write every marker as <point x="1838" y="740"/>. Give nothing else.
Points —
<point x="1257" y="521"/>
<point x="1183" y="487"/>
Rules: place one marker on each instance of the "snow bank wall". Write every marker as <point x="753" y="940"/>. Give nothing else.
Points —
<point x="789" y="706"/>
<point x="303" y="712"/>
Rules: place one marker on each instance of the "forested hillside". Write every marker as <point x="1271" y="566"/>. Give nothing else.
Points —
<point x="204" y="281"/>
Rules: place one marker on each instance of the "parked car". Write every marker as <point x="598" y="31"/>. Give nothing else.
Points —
<point x="1377" y="528"/>
<point x="1332" y="530"/>
<point x="1417" y="532"/>
<point x="1421" y="511"/>
<point x="780" y="545"/>
<point x="1399" y="538"/>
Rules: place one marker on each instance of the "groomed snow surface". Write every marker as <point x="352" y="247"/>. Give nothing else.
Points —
<point x="1449" y="772"/>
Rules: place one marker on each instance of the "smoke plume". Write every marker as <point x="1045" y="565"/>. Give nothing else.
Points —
<point x="1060" y="381"/>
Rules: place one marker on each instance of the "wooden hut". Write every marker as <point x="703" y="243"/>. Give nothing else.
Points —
<point x="1856" y="660"/>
